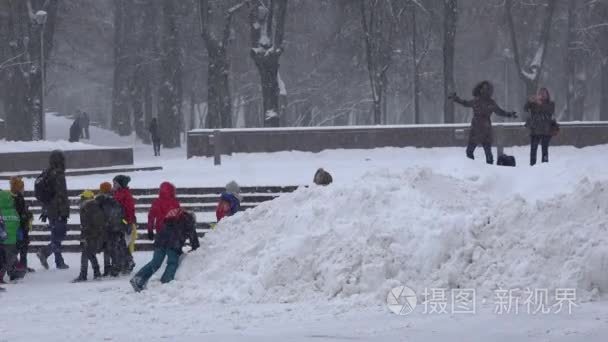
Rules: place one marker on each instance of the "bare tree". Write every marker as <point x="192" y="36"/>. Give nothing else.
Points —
<point x="218" y="87"/>
<point x="30" y="29"/>
<point x="449" y="41"/>
<point x="170" y="93"/>
<point x="576" y="68"/>
<point x="379" y="19"/>
<point x="530" y="72"/>
<point x="121" y="118"/>
<point x="267" y="33"/>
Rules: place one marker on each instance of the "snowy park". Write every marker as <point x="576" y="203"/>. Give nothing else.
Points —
<point x="318" y="264"/>
<point x="304" y="170"/>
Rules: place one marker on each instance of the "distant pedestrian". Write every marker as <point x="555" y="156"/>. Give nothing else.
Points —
<point x="481" y="125"/>
<point x="155" y="136"/>
<point x="541" y="123"/>
<point x="85" y="121"/>
<point x="75" y="130"/>
<point x="52" y="192"/>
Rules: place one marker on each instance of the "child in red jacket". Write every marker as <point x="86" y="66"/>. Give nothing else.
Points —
<point x="165" y="202"/>
<point x="230" y="201"/>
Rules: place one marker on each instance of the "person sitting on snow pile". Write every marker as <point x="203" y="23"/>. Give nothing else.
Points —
<point x="180" y="226"/>
<point x="230" y="201"/>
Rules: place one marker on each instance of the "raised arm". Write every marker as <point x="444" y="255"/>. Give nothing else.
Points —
<point x="464" y="103"/>
<point x="501" y="112"/>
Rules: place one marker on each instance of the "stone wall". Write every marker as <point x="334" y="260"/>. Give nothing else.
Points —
<point x="75" y="159"/>
<point x="316" y="139"/>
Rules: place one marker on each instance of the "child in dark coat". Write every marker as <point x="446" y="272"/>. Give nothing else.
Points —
<point x="179" y="227"/>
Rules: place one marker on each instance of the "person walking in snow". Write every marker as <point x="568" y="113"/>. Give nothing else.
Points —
<point x="8" y="242"/>
<point x="540" y="123"/>
<point x="92" y="234"/>
<point x="179" y="226"/>
<point x="25" y="222"/>
<point x="155" y="136"/>
<point x="481" y="125"/>
<point x="165" y="202"/>
<point x="115" y="252"/>
<point x="75" y="130"/>
<point x="85" y="121"/>
<point x="122" y="194"/>
<point x="55" y="207"/>
<point x="230" y="201"/>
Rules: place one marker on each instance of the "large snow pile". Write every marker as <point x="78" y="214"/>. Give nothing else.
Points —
<point x="354" y="242"/>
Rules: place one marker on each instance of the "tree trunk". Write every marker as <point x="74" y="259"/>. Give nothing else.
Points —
<point x="449" y="39"/>
<point x="121" y="121"/>
<point x="267" y="47"/>
<point x="416" y="83"/>
<point x="268" y="68"/>
<point x="604" y="88"/>
<point x="24" y="101"/>
<point x="219" y="113"/>
<point x="170" y="99"/>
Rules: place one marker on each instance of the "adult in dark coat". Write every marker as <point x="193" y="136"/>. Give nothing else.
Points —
<point x="57" y="211"/>
<point x="75" y="130"/>
<point x="85" y="121"/>
<point x="481" y="125"/>
<point x="155" y="136"/>
<point x="540" y="123"/>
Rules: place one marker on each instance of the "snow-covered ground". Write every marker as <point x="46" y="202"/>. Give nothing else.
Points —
<point x="317" y="264"/>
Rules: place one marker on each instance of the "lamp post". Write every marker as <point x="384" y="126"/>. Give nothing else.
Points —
<point x="40" y="18"/>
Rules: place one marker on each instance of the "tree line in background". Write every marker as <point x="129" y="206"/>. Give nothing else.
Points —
<point x="255" y="63"/>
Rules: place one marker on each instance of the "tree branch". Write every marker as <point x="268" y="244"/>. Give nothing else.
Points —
<point x="280" y="26"/>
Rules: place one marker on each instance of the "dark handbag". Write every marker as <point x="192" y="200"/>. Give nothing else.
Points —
<point x="554" y="128"/>
<point x="506" y="160"/>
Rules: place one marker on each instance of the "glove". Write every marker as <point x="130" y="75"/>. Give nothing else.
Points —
<point x="513" y="115"/>
<point x="43" y="217"/>
<point x="150" y="235"/>
<point x="452" y="96"/>
<point x="64" y="219"/>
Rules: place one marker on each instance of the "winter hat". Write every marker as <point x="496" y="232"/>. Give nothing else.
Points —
<point x="234" y="188"/>
<point x="105" y="188"/>
<point x="122" y="180"/>
<point x="16" y="185"/>
<point x="87" y="195"/>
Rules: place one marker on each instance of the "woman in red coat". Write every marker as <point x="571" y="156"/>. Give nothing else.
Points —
<point x="165" y="202"/>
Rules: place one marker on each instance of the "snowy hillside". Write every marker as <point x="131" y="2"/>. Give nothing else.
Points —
<point x="412" y="227"/>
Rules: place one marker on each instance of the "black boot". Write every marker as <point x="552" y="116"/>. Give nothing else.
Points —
<point x="81" y="278"/>
<point x="96" y="274"/>
<point x="43" y="255"/>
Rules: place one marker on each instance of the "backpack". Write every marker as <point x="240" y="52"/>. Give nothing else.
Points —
<point x="505" y="160"/>
<point x="114" y="214"/>
<point x="43" y="187"/>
